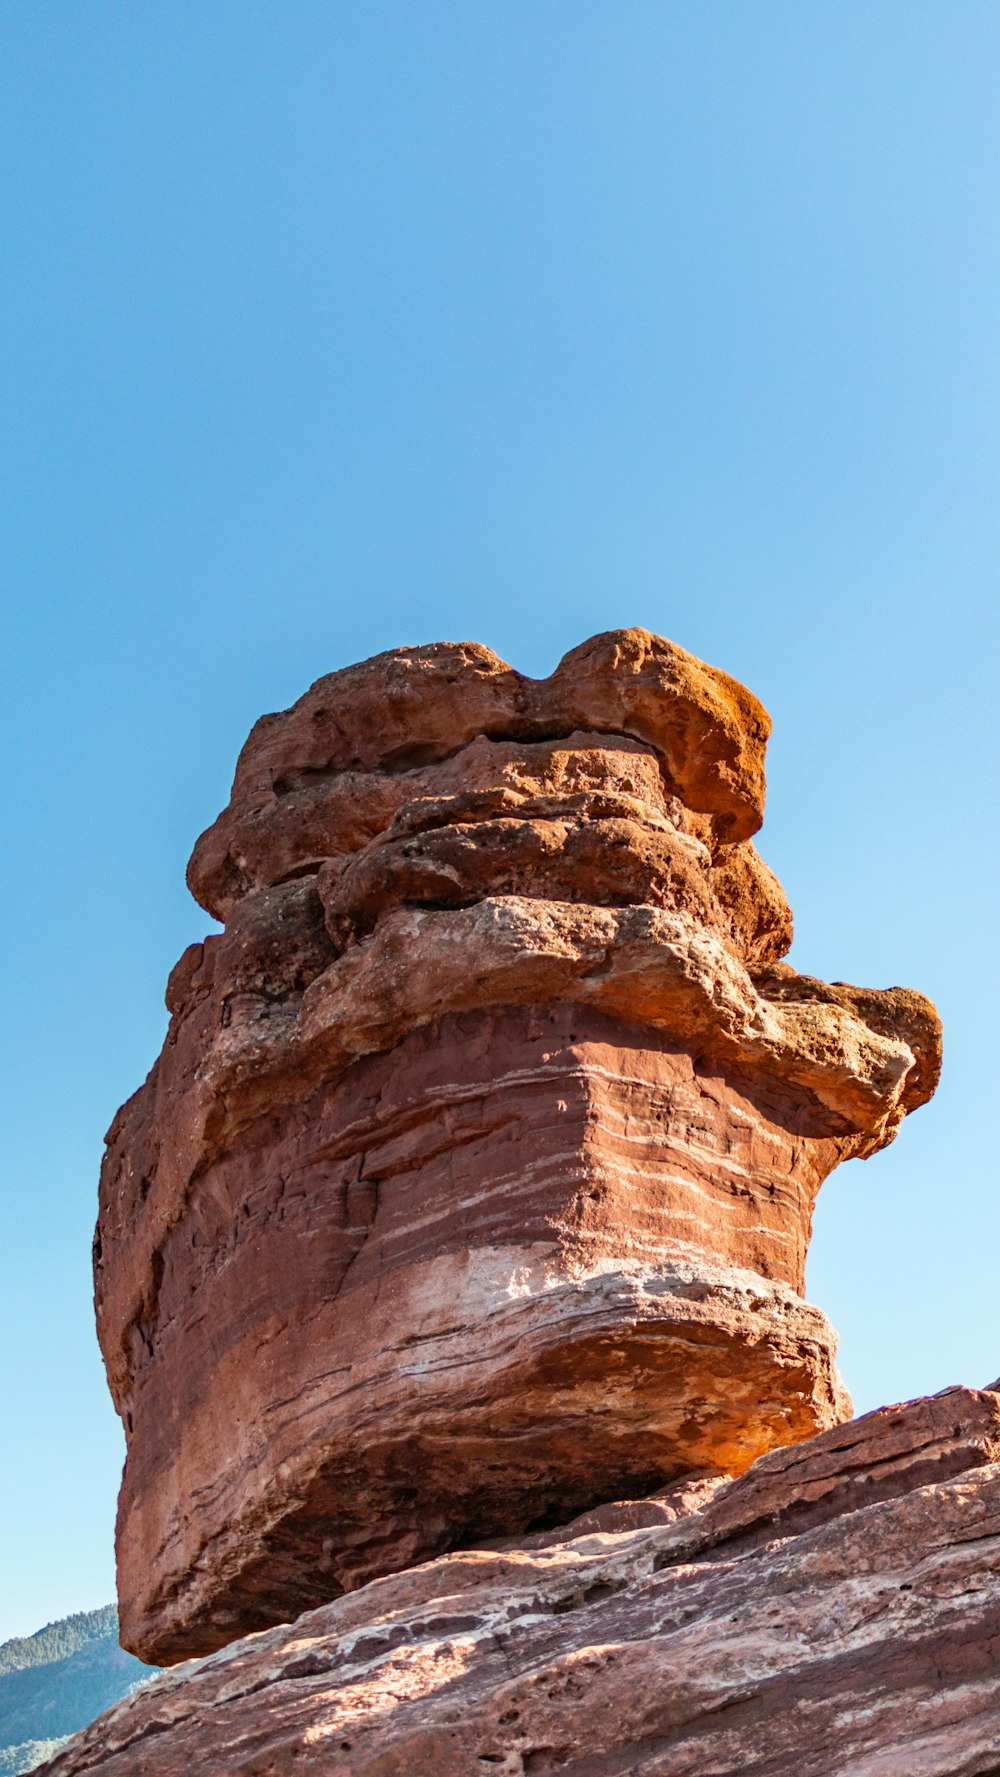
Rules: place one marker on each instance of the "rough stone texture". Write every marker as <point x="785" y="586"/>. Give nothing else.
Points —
<point x="833" y="1613"/>
<point x="416" y="707"/>
<point x="473" y="1185"/>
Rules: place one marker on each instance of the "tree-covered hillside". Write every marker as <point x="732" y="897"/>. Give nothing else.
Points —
<point x="55" y="1682"/>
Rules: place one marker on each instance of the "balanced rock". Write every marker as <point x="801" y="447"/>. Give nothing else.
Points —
<point x="473" y="1185"/>
<point x="833" y="1613"/>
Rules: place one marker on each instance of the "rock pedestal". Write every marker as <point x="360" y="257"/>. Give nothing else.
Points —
<point x="832" y="1613"/>
<point x="473" y="1185"/>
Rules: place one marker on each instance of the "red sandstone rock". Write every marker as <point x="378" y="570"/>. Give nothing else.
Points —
<point x="473" y="1185"/>
<point x="420" y="706"/>
<point x="834" y="1613"/>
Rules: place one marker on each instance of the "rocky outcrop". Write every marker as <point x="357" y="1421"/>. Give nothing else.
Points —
<point x="473" y="1185"/>
<point x="833" y="1613"/>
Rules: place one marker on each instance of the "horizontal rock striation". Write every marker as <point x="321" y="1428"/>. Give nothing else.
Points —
<point x="473" y="1185"/>
<point x="832" y="1613"/>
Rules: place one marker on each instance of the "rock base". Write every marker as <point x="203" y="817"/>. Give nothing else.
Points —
<point x="833" y="1613"/>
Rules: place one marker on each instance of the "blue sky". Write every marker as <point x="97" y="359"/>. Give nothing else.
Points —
<point x="328" y="328"/>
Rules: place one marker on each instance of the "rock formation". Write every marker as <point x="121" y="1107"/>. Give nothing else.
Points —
<point x="473" y="1185"/>
<point x="833" y="1613"/>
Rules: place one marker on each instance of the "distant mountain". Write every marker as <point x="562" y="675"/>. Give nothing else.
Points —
<point x="55" y="1682"/>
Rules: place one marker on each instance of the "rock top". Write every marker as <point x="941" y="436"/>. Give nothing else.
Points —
<point x="321" y="768"/>
<point x="473" y="1185"/>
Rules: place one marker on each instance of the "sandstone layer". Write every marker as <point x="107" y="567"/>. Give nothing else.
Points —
<point x="833" y="1613"/>
<point x="473" y="1185"/>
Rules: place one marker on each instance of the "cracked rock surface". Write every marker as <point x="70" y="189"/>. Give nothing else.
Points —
<point x="473" y="1186"/>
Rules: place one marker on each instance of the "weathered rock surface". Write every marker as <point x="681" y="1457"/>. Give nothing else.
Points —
<point x="473" y="1185"/>
<point x="833" y="1613"/>
<point x="336" y="751"/>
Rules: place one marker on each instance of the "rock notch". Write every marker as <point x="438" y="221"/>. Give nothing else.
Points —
<point x="473" y="1185"/>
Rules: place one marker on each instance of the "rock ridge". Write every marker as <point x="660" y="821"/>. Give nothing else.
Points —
<point x="834" y="1612"/>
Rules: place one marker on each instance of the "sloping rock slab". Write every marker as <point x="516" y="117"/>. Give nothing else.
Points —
<point x="835" y="1612"/>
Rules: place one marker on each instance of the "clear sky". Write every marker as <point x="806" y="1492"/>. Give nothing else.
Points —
<point x="331" y="327"/>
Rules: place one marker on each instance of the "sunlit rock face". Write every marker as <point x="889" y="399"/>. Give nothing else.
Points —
<point x="473" y="1185"/>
